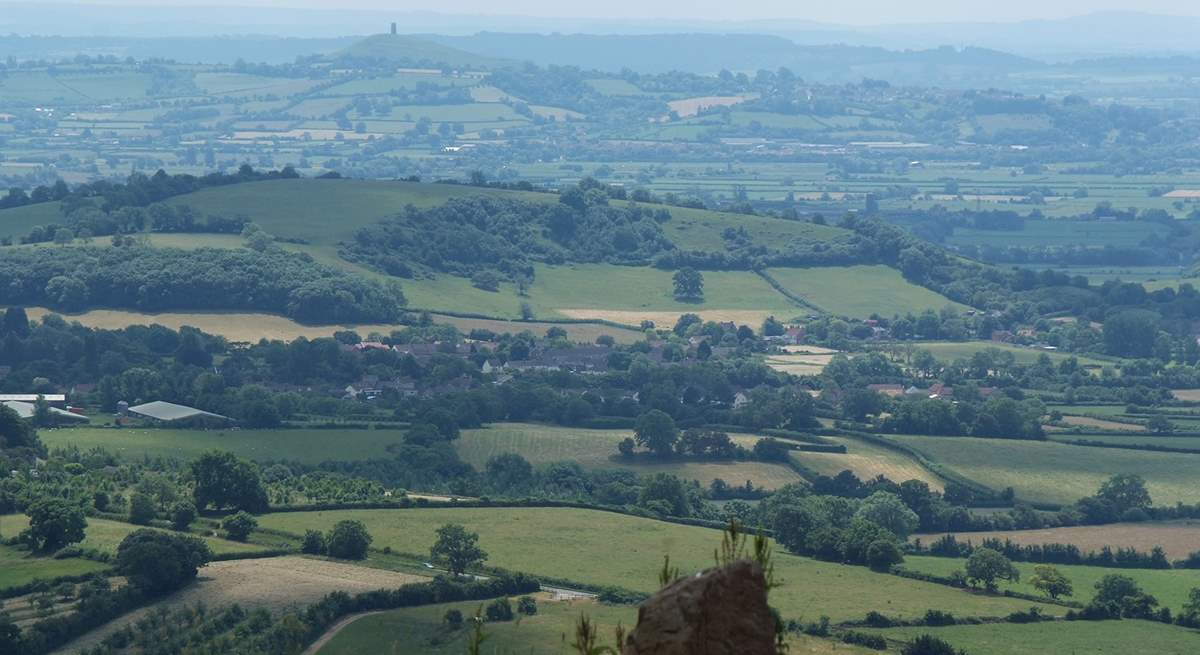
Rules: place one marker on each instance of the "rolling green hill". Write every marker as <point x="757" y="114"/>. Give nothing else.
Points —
<point x="407" y="49"/>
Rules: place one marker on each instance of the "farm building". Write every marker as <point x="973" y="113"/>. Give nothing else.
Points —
<point x="27" y="410"/>
<point x="164" y="412"/>
<point x="52" y="398"/>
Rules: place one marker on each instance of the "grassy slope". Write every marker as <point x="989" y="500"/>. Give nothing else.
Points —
<point x="18" y="221"/>
<point x="305" y="446"/>
<point x="422" y="631"/>
<point x="597" y="449"/>
<point x="18" y="567"/>
<point x="859" y="291"/>
<point x="950" y="350"/>
<point x="1169" y="586"/>
<point x="1090" y="637"/>
<point x="106" y="535"/>
<point x="1058" y="473"/>
<point x="613" y="549"/>
<point x="867" y="460"/>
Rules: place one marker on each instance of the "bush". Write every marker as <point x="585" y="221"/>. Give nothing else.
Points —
<point x="938" y="618"/>
<point x="929" y="645"/>
<point x="453" y="618"/>
<point x="239" y="526"/>
<point x="875" y="642"/>
<point x="314" y="543"/>
<point x="348" y="540"/>
<point x="883" y="554"/>
<point x="527" y="605"/>
<point x="499" y="610"/>
<point x="182" y="515"/>
<point x="158" y="562"/>
<point x="141" y="509"/>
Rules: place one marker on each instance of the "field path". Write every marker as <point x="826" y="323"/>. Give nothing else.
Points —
<point x="316" y="646"/>
<point x="275" y="583"/>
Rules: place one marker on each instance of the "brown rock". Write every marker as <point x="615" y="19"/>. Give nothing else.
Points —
<point x="719" y="612"/>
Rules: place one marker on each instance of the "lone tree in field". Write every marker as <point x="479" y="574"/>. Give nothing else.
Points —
<point x="987" y="566"/>
<point x="656" y="431"/>
<point x="1051" y="581"/>
<point x="223" y="480"/>
<point x="158" y="562"/>
<point x="689" y="284"/>
<point x="1126" y="491"/>
<point x="239" y="526"/>
<point x="348" y="540"/>
<point x="53" y="523"/>
<point x="457" y="549"/>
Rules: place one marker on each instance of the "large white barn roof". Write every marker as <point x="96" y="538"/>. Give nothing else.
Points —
<point x="27" y="410"/>
<point x="165" y="411"/>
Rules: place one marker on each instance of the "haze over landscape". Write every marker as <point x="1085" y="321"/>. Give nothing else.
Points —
<point x="641" y="328"/>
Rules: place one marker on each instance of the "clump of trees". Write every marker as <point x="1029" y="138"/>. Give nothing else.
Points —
<point x="457" y="549"/>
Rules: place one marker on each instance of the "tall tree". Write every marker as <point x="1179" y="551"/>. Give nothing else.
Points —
<point x="457" y="549"/>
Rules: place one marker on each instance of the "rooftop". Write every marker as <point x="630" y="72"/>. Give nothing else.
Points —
<point x="165" y="411"/>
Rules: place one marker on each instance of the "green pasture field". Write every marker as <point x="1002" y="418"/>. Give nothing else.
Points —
<point x="478" y="112"/>
<point x="1044" y="471"/>
<point x="700" y="229"/>
<point x="867" y="460"/>
<point x="382" y="85"/>
<point x="604" y="548"/>
<point x="317" y="107"/>
<point x="1091" y="637"/>
<point x="1169" y="586"/>
<point x="36" y="87"/>
<point x="222" y="84"/>
<point x="859" y="291"/>
<point x="1129" y="440"/>
<point x="948" y="351"/>
<point x="299" y="445"/>
<point x="423" y="631"/>
<point x="1061" y="233"/>
<point x="1099" y="411"/>
<point x="105" y="535"/>
<point x="17" y="222"/>
<point x="597" y="449"/>
<point x="18" y="567"/>
<point x="604" y="291"/>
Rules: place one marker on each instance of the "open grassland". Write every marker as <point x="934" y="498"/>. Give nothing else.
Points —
<point x="1044" y="471"/>
<point x="18" y="221"/>
<point x="859" y="291"/>
<point x="1192" y="443"/>
<point x="621" y="294"/>
<point x="18" y="566"/>
<point x="866" y="460"/>
<point x="1078" y="637"/>
<point x="948" y="351"/>
<point x="1102" y="424"/>
<point x="1169" y="586"/>
<point x="604" y="548"/>
<point x="423" y="631"/>
<point x="1177" y="538"/>
<point x="299" y="445"/>
<point x="105" y="535"/>
<point x="325" y="212"/>
<point x="275" y="583"/>
<point x="597" y="449"/>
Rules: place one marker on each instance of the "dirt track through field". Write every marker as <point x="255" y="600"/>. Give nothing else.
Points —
<point x="275" y="583"/>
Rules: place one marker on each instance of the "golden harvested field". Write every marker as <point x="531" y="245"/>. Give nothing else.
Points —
<point x="867" y="460"/>
<point x="1178" y="538"/>
<point x="1101" y="424"/>
<point x="275" y="583"/>
<point x="692" y="106"/>
<point x="1190" y="395"/>
<point x="799" y="363"/>
<point x="251" y="327"/>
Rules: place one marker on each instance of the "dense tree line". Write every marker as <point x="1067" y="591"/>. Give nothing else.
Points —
<point x="483" y="233"/>
<point x="159" y="279"/>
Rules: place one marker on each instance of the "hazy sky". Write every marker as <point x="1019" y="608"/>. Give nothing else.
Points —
<point x="843" y="11"/>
